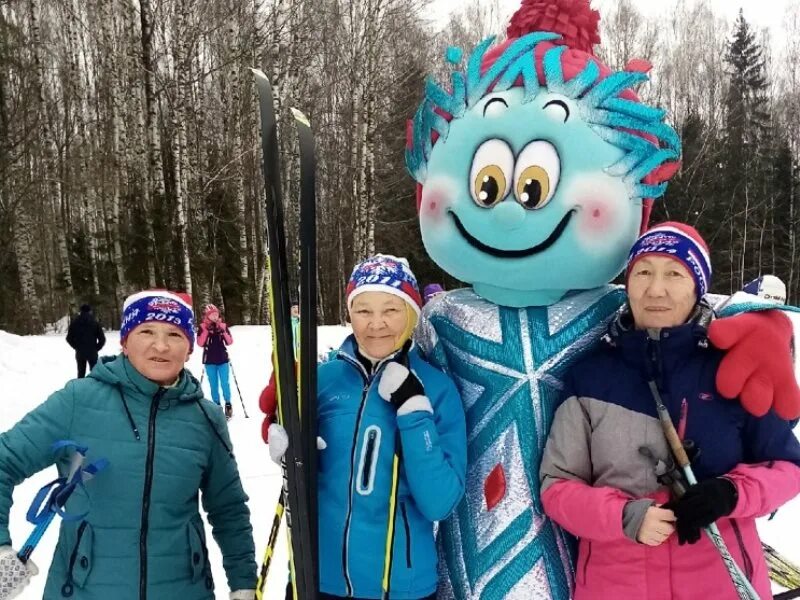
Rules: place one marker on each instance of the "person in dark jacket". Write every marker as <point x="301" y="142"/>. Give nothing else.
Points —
<point x="86" y="337"/>
<point x="141" y="535"/>
<point x="378" y="389"/>
<point x="608" y="473"/>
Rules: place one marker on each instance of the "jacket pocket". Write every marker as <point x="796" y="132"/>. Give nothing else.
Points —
<point x="80" y="560"/>
<point x="404" y="513"/>
<point x="198" y="554"/>
<point x="368" y="462"/>
<point x="748" y="563"/>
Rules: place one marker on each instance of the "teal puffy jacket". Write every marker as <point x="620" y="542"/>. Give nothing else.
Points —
<point x="143" y="538"/>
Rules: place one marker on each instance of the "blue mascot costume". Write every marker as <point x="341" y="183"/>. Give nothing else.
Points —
<point x="536" y="168"/>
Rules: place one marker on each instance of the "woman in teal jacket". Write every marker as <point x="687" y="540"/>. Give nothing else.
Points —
<point x="143" y="537"/>
<point x="378" y="388"/>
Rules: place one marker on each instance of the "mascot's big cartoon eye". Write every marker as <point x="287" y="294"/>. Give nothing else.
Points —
<point x="491" y="173"/>
<point x="536" y="174"/>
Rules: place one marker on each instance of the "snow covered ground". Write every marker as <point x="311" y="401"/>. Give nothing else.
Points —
<point x="33" y="367"/>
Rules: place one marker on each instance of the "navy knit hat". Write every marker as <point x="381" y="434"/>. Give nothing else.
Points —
<point x="158" y="306"/>
<point x="681" y="242"/>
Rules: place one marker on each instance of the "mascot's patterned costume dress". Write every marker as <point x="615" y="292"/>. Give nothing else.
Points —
<point x="536" y="167"/>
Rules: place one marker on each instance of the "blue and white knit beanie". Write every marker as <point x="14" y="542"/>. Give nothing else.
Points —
<point x="385" y="273"/>
<point x="159" y="306"/>
<point x="681" y="242"/>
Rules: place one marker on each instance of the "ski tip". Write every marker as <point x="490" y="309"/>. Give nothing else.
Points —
<point x="299" y="116"/>
<point x="257" y="72"/>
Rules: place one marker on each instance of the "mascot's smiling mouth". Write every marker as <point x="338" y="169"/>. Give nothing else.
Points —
<point x="479" y="245"/>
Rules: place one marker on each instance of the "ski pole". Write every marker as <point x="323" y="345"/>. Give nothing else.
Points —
<point x="203" y="368"/>
<point x="789" y="595"/>
<point x="740" y="582"/>
<point x="237" y="388"/>
<point x="390" y="530"/>
<point x="52" y="497"/>
<point x="273" y="537"/>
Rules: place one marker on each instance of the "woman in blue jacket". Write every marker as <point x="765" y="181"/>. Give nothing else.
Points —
<point x="379" y="387"/>
<point x="142" y="537"/>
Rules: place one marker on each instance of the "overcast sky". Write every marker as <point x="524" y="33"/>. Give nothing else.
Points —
<point x="760" y="13"/>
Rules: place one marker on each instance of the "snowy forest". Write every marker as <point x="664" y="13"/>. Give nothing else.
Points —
<point x="130" y="150"/>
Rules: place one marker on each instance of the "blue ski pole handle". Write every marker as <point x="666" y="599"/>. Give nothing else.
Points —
<point x="52" y="497"/>
<point x="35" y="537"/>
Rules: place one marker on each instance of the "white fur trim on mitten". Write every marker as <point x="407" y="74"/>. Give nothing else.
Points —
<point x="243" y="595"/>
<point x="394" y="374"/>
<point x="15" y="575"/>
<point x="413" y="404"/>
<point x="278" y="442"/>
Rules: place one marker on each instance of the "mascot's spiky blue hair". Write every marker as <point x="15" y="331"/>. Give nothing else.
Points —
<point x="652" y="148"/>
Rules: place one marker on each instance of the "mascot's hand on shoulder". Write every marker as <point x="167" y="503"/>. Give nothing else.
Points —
<point x="758" y="366"/>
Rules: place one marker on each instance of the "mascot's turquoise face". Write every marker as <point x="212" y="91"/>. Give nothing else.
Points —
<point x="526" y="197"/>
<point x="517" y="200"/>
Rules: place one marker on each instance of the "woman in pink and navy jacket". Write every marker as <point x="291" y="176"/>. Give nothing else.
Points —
<point x="214" y="337"/>
<point x="599" y="472"/>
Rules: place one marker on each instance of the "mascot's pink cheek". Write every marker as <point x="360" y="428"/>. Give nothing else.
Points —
<point x="597" y="218"/>
<point x="434" y="205"/>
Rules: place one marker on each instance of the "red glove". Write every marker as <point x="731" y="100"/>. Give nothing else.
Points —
<point x="268" y="403"/>
<point x="758" y="367"/>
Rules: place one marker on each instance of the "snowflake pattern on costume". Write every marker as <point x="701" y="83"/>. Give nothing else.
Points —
<point x="508" y="365"/>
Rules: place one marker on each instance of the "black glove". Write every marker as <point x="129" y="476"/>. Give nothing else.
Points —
<point x="701" y="505"/>
<point x="398" y="384"/>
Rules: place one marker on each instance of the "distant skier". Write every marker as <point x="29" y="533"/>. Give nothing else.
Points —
<point x="431" y="291"/>
<point x="214" y="336"/>
<point x="86" y="337"/>
<point x="768" y="287"/>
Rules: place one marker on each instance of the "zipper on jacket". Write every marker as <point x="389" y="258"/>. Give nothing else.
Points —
<point x="367" y="469"/>
<point x="408" y="534"/>
<point x="586" y="562"/>
<point x="69" y="587"/>
<point x="368" y="379"/>
<point x="345" y="546"/>
<point x="148" y="484"/>
<point x="748" y="563"/>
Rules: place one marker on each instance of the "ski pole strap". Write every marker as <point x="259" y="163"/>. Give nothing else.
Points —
<point x="52" y="497"/>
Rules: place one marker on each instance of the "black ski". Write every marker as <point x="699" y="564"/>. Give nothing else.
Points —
<point x="296" y="474"/>
<point x="308" y="312"/>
